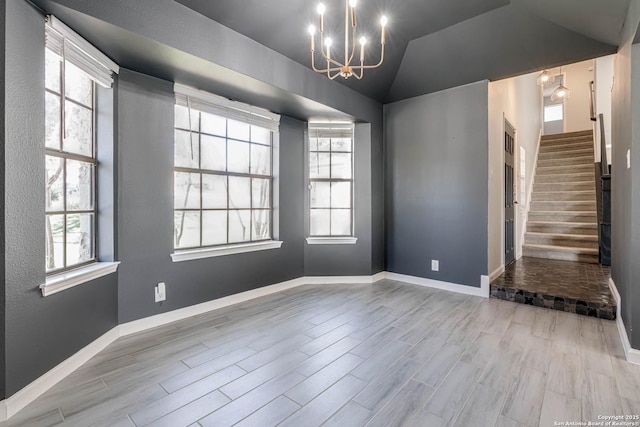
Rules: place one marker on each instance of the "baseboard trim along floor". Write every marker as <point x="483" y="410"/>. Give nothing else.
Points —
<point x="9" y="407"/>
<point x="632" y="355"/>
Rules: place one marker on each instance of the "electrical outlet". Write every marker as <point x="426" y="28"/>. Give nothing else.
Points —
<point x="435" y="265"/>
<point x="629" y="159"/>
<point x="160" y="292"/>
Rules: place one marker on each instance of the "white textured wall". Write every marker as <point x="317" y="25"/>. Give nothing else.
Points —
<point x="604" y="85"/>
<point x="577" y="110"/>
<point x="520" y="101"/>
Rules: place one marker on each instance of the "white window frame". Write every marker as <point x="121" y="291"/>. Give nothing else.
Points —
<point x="332" y="130"/>
<point x="197" y="100"/>
<point x="72" y="48"/>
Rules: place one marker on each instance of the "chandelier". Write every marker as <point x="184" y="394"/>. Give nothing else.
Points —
<point x="345" y="69"/>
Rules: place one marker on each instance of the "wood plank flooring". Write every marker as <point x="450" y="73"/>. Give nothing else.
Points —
<point x="387" y="354"/>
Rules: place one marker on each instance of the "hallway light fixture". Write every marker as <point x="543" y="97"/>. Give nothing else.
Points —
<point x="334" y="68"/>
<point x="545" y="78"/>
<point x="561" y="93"/>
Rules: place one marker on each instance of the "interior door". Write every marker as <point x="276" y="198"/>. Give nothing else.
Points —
<point x="509" y="193"/>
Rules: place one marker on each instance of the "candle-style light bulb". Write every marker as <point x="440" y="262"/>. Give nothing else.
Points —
<point x="321" y="8"/>
<point x="363" y="41"/>
<point x="383" y="24"/>
<point x="312" y="30"/>
<point x="353" y="3"/>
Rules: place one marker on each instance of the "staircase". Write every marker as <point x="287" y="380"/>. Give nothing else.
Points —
<point x="562" y="220"/>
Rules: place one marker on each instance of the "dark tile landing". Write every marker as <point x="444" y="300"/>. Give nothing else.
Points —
<point x="574" y="287"/>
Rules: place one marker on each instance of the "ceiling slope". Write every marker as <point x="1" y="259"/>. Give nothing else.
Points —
<point x="502" y="43"/>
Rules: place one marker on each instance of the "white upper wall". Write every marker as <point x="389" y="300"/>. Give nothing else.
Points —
<point x="578" y="76"/>
<point x="519" y="100"/>
<point x="604" y="85"/>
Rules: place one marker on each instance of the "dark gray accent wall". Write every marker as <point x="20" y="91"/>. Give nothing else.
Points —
<point x="3" y="14"/>
<point x="39" y="332"/>
<point x="625" y="136"/>
<point x="145" y="215"/>
<point x="437" y="184"/>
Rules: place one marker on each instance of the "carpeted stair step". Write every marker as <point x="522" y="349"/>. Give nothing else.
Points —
<point x="582" y="228"/>
<point x="563" y="206"/>
<point x="562" y="186"/>
<point x="568" y="169"/>
<point x="563" y="216"/>
<point x="566" y="240"/>
<point x="559" y="177"/>
<point x="561" y="253"/>
<point x="564" y="196"/>
<point x="564" y="154"/>
<point x="571" y="161"/>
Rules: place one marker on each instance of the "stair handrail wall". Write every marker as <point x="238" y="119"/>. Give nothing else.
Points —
<point x="604" y="163"/>
<point x="592" y="100"/>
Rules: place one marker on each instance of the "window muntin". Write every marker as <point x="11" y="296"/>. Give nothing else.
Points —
<point x="331" y="183"/>
<point x="222" y="180"/>
<point x="70" y="165"/>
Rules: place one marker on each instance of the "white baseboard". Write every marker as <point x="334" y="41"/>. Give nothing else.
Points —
<point x="9" y="407"/>
<point x="194" y="310"/>
<point x="632" y="355"/>
<point x="32" y="391"/>
<point x="496" y="273"/>
<point x="483" y="291"/>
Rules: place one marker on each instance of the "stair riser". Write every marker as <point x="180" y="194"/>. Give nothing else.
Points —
<point x="574" y="161"/>
<point x="565" y="256"/>
<point x="562" y="217"/>
<point x="585" y="132"/>
<point x="556" y="170"/>
<point x="534" y="239"/>
<point x="562" y="187"/>
<point x="564" y="196"/>
<point x="566" y="228"/>
<point x="565" y="178"/>
<point x="568" y="154"/>
<point x="561" y="148"/>
<point x="564" y="138"/>
<point x="556" y="206"/>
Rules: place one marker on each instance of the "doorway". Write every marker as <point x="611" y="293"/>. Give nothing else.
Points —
<point x="509" y="193"/>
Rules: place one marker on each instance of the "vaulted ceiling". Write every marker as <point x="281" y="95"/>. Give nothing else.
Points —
<point x="436" y="44"/>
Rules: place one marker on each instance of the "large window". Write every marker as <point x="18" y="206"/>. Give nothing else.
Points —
<point x="223" y="178"/>
<point x="72" y="68"/>
<point x="331" y="180"/>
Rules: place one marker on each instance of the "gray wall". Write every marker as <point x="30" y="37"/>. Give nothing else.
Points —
<point x="625" y="205"/>
<point x="145" y="215"/>
<point x="3" y="7"/>
<point x="437" y="190"/>
<point x="40" y="332"/>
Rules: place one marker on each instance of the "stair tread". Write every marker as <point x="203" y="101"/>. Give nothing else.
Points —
<point x="565" y="192"/>
<point x="583" y="251"/>
<point x="572" y="224"/>
<point x="566" y="236"/>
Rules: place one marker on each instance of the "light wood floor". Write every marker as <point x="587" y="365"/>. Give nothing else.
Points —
<point x="348" y="355"/>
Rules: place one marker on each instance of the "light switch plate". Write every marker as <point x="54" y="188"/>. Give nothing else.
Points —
<point x="435" y="265"/>
<point x="629" y="159"/>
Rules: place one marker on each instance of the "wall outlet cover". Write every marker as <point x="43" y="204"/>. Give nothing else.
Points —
<point x="435" y="265"/>
<point x="629" y="159"/>
<point x="160" y="292"/>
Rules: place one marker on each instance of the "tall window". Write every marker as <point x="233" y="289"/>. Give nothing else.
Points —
<point x="223" y="174"/>
<point x="331" y="180"/>
<point x="72" y="68"/>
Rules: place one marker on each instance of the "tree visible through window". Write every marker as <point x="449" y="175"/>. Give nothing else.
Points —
<point x="70" y="165"/>
<point x="222" y="180"/>
<point x="331" y="180"/>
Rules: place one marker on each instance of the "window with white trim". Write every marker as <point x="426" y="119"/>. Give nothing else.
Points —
<point x="73" y="67"/>
<point x="330" y="180"/>
<point x="223" y="171"/>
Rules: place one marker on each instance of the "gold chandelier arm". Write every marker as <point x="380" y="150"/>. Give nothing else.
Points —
<point x="353" y="49"/>
<point x="317" y="70"/>
<point x="366" y="67"/>
<point x="334" y="76"/>
<point x="331" y="60"/>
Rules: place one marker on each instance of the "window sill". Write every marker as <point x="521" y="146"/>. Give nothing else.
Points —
<point x="224" y="250"/>
<point x="59" y="282"/>
<point x="332" y="240"/>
